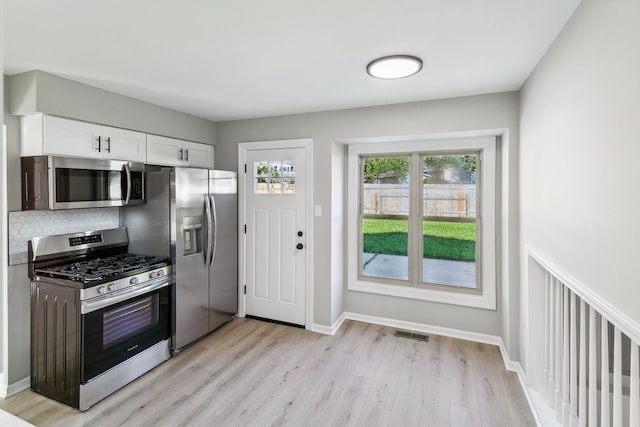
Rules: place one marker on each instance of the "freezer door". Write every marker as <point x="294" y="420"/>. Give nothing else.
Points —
<point x="223" y="272"/>
<point x="191" y="303"/>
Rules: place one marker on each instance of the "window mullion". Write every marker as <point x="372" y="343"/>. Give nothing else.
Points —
<point x="415" y="215"/>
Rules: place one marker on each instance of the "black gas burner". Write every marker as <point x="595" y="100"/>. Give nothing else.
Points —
<point x="97" y="270"/>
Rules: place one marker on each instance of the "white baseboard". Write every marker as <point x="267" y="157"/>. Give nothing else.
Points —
<point x="429" y="329"/>
<point x="9" y="420"/>
<point x="320" y="329"/>
<point x="329" y="330"/>
<point x="17" y="387"/>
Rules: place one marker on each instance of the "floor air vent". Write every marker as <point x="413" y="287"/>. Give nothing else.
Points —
<point x="413" y="336"/>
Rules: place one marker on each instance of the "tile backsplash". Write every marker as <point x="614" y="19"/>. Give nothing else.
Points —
<point x="28" y="224"/>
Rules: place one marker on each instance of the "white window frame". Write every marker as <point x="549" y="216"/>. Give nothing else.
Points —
<point x="486" y="298"/>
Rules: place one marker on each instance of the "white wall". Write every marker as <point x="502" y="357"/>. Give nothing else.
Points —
<point x="497" y="111"/>
<point x="580" y="146"/>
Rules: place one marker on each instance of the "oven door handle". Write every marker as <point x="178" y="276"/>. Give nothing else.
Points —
<point x="98" y="303"/>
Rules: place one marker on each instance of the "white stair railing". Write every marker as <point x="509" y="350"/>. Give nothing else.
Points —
<point x="592" y="369"/>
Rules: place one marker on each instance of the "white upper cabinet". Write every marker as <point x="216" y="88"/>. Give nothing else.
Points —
<point x="197" y="155"/>
<point x="162" y="150"/>
<point x="71" y="138"/>
<point x="56" y="136"/>
<point x="48" y="135"/>
<point x="122" y="144"/>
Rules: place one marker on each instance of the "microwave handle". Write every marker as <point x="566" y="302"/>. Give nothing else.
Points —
<point x="127" y="170"/>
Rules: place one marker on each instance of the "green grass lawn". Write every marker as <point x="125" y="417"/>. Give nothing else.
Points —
<point x="442" y="240"/>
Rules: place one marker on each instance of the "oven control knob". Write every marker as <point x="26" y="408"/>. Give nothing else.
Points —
<point x="133" y="281"/>
<point x="111" y="287"/>
<point x="160" y="273"/>
<point x="102" y="290"/>
<point x="152" y="275"/>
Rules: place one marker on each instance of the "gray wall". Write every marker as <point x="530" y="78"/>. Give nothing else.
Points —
<point x="52" y="95"/>
<point x="3" y="217"/>
<point x="497" y="111"/>
<point x="338" y="229"/>
<point x="580" y="145"/>
<point x="14" y="195"/>
<point x="17" y="281"/>
<point x="41" y="92"/>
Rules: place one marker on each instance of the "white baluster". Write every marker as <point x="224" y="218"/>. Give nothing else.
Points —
<point x="582" y="377"/>
<point x="573" y="363"/>
<point x="593" y="370"/>
<point x="559" y="350"/>
<point x="551" y="332"/>
<point x="565" y="358"/>
<point x="547" y="337"/>
<point x="604" y="375"/>
<point x="634" y="395"/>
<point x="617" y="378"/>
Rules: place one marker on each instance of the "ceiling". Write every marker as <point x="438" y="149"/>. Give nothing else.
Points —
<point x="234" y="59"/>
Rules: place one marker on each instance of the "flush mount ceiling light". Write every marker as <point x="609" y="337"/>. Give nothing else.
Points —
<point x="394" y="67"/>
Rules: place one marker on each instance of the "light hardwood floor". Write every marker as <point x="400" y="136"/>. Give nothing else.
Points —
<point x="261" y="374"/>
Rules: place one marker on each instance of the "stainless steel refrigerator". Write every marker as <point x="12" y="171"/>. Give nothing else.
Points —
<point x="190" y="216"/>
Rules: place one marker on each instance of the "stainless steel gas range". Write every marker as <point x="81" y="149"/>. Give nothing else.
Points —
<point x="99" y="315"/>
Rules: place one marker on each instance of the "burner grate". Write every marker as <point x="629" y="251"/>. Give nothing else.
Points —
<point x="97" y="269"/>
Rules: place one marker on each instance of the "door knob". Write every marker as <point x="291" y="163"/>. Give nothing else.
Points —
<point x="299" y="246"/>
<point x="299" y="233"/>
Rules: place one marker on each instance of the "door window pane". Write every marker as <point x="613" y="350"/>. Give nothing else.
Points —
<point x="274" y="177"/>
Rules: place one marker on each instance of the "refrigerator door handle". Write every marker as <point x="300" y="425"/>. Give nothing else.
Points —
<point x="207" y="205"/>
<point x="215" y="229"/>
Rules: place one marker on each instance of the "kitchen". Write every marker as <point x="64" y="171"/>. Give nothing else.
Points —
<point x="35" y="82"/>
<point x="531" y="80"/>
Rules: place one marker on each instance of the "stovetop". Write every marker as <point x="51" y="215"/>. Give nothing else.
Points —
<point x="99" y="270"/>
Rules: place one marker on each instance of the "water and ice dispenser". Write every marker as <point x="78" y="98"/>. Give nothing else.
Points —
<point x="192" y="234"/>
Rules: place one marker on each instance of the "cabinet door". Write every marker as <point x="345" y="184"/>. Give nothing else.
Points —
<point x="122" y="144"/>
<point x="72" y="138"/>
<point x="163" y="151"/>
<point x="198" y="155"/>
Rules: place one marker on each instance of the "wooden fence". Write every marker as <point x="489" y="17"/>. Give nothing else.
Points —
<point x="445" y="200"/>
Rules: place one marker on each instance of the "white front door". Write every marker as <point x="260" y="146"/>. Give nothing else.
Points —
<point x="276" y="234"/>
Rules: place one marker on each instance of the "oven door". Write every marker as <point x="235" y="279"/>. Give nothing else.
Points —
<point x="113" y="334"/>
<point x="86" y="183"/>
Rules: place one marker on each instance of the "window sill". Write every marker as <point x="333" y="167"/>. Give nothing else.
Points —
<point x="454" y="297"/>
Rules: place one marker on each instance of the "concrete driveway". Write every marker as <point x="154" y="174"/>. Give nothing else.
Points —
<point x="437" y="271"/>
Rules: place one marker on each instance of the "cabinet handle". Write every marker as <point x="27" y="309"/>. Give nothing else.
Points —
<point x="108" y="140"/>
<point x="99" y="144"/>
<point x="26" y="186"/>
<point x="180" y="154"/>
<point x="186" y="155"/>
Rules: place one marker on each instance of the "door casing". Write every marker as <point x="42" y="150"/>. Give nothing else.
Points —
<point x="307" y="144"/>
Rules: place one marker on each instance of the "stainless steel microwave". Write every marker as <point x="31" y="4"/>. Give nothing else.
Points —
<point x="50" y="182"/>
